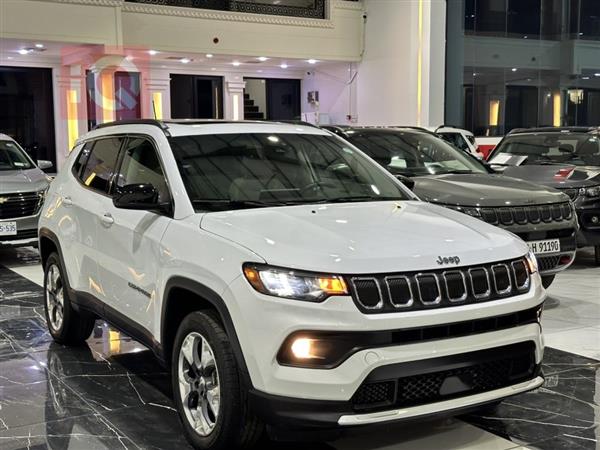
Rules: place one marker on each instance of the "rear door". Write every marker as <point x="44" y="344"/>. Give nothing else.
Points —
<point x="130" y="257"/>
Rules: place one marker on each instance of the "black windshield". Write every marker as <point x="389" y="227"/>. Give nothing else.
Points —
<point x="12" y="157"/>
<point x="233" y="171"/>
<point x="414" y="153"/>
<point x="580" y="149"/>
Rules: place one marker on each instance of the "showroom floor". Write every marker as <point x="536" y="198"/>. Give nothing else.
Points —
<point x="112" y="394"/>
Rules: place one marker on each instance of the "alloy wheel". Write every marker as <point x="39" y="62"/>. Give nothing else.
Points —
<point x="199" y="383"/>
<point x="55" y="299"/>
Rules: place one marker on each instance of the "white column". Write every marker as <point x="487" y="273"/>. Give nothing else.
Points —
<point x="234" y="98"/>
<point x="401" y="77"/>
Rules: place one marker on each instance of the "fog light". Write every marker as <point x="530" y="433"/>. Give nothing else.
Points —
<point x="303" y="348"/>
<point x="595" y="220"/>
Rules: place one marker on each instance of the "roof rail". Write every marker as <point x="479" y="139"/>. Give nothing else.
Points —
<point x="553" y="130"/>
<point x="157" y="123"/>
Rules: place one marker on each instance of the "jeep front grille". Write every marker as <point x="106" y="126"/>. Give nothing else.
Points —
<point x="439" y="288"/>
<point x="13" y="206"/>
<point x="527" y="214"/>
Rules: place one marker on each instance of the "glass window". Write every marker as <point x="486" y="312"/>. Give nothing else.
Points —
<point x="229" y="171"/>
<point x="414" y="154"/>
<point x="550" y="148"/>
<point x="82" y="158"/>
<point x="141" y="165"/>
<point x="101" y="164"/>
<point x="12" y="157"/>
<point x="455" y="139"/>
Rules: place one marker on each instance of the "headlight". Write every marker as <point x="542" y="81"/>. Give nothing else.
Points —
<point x="593" y="191"/>
<point x="473" y="212"/>
<point x="531" y="262"/>
<point x="292" y="284"/>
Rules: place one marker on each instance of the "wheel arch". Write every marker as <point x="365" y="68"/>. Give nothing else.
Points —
<point x="202" y="297"/>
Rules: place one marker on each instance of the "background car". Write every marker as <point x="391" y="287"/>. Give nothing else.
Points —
<point x="439" y="173"/>
<point x="22" y="189"/>
<point x="567" y="159"/>
<point x="460" y="138"/>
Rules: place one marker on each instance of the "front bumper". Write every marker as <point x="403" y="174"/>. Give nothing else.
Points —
<point x="297" y="414"/>
<point x="261" y="339"/>
<point x="27" y="232"/>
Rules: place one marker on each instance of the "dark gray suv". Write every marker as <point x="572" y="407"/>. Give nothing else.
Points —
<point x="440" y="173"/>
<point x="23" y="186"/>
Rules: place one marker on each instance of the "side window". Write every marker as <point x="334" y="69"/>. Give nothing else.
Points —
<point x="141" y="165"/>
<point x="101" y="163"/>
<point x="82" y="158"/>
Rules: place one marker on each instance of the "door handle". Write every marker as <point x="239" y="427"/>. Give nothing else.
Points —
<point x="107" y="220"/>
<point x="67" y="201"/>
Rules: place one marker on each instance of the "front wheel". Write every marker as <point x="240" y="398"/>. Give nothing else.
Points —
<point x="209" y="396"/>
<point x="67" y="326"/>
<point x="547" y="280"/>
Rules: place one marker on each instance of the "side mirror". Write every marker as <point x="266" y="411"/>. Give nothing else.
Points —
<point x="408" y="182"/>
<point x="44" y="165"/>
<point x="138" y="197"/>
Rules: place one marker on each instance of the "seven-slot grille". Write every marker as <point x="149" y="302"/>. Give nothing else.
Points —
<point x="522" y="215"/>
<point x="439" y="288"/>
<point x="13" y="206"/>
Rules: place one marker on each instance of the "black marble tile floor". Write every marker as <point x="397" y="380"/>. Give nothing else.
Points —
<point x="112" y="394"/>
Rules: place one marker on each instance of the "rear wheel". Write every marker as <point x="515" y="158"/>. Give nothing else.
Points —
<point x="547" y="280"/>
<point x="209" y="396"/>
<point x="66" y="325"/>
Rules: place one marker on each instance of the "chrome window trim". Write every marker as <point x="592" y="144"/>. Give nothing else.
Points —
<point x="509" y="288"/>
<point x="438" y="299"/>
<point x="489" y="285"/>
<point x="524" y="287"/>
<point x="464" y="280"/>
<point x="387" y="285"/>
<point x="379" y="305"/>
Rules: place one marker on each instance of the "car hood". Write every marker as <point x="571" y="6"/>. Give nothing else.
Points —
<point x="369" y="237"/>
<point x="13" y="181"/>
<point x="483" y="190"/>
<point x="549" y="175"/>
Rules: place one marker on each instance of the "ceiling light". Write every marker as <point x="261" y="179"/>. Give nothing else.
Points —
<point x="24" y="51"/>
<point x="152" y="52"/>
<point x="514" y="69"/>
<point x="9" y="57"/>
<point x="586" y="78"/>
<point x="236" y="63"/>
<point x="185" y="60"/>
<point x="213" y="68"/>
<point x="284" y="66"/>
<point x="129" y="58"/>
<point x="262" y="58"/>
<point x="597" y="74"/>
<point x="209" y="55"/>
<point x="259" y="71"/>
<point x="312" y="61"/>
<point x="39" y="45"/>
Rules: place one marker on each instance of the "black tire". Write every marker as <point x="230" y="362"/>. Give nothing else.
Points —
<point x="74" y="328"/>
<point x="547" y="280"/>
<point x="235" y="425"/>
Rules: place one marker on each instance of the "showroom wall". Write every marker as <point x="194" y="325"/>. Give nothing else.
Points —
<point x="401" y="76"/>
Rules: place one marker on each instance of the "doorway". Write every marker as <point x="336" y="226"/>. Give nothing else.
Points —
<point x="27" y="113"/>
<point x="196" y="97"/>
<point x="272" y="99"/>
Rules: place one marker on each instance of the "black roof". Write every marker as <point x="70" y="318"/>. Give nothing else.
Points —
<point x="554" y="130"/>
<point x="344" y="129"/>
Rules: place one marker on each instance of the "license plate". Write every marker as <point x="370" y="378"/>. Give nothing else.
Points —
<point x="8" y="228"/>
<point x="547" y="246"/>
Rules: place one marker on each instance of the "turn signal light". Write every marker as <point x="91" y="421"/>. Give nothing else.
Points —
<point x="333" y="286"/>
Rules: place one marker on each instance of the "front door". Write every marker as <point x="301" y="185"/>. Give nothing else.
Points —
<point x="128" y="262"/>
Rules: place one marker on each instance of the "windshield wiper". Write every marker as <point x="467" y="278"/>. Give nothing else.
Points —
<point x="357" y="198"/>
<point x="454" y="172"/>
<point x="224" y="204"/>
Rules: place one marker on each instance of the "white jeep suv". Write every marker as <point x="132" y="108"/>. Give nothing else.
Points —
<point x="285" y="278"/>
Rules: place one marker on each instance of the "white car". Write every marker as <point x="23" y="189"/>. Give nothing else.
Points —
<point x="285" y="278"/>
<point x="462" y="139"/>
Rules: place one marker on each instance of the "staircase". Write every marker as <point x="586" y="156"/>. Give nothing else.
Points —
<point x="251" y="111"/>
